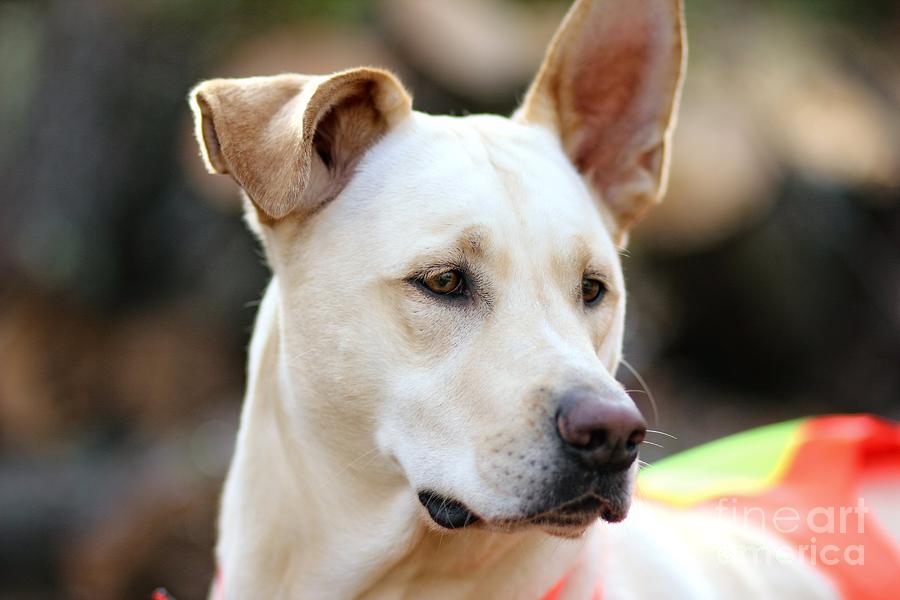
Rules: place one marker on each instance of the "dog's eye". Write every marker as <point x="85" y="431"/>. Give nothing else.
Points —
<point x="446" y="283"/>
<point x="592" y="291"/>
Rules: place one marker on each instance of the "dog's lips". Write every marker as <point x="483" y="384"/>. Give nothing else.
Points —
<point x="588" y="506"/>
<point x="583" y="511"/>
<point x="569" y="519"/>
<point x="447" y="512"/>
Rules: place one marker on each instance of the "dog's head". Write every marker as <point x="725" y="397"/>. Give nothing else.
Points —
<point x="450" y="288"/>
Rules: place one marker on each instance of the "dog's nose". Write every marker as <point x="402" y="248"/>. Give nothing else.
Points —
<point x="604" y="433"/>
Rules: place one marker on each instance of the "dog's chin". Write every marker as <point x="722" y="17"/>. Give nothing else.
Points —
<point x="567" y="520"/>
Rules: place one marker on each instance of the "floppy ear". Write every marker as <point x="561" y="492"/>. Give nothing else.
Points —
<point x="609" y="86"/>
<point x="291" y="141"/>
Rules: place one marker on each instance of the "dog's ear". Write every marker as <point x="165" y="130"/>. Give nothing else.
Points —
<point x="291" y="141"/>
<point x="609" y="87"/>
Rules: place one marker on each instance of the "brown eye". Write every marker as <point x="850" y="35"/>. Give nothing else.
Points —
<point x="592" y="290"/>
<point x="445" y="282"/>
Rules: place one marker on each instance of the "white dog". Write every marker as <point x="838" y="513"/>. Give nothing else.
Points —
<point x="431" y="410"/>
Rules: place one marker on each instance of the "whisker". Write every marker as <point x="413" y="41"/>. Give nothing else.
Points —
<point x="296" y="357"/>
<point x="668" y="435"/>
<point x="359" y="458"/>
<point x="653" y="444"/>
<point x="368" y="453"/>
<point x="643" y="384"/>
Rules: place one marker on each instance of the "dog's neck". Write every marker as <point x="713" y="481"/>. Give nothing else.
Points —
<point x="297" y="521"/>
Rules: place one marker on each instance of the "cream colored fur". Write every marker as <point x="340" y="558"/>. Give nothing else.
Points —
<point x="363" y="389"/>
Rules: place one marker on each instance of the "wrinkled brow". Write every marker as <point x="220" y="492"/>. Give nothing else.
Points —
<point x="577" y="256"/>
<point x="473" y="242"/>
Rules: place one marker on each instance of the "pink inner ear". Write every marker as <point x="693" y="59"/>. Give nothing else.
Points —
<point x="210" y="139"/>
<point x="612" y="95"/>
<point x="609" y="85"/>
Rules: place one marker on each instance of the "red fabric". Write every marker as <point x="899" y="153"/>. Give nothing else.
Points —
<point x="838" y="456"/>
<point x="554" y="592"/>
<point x="557" y="589"/>
<point x="218" y="588"/>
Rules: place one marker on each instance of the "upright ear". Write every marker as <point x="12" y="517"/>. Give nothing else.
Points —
<point x="609" y="86"/>
<point x="291" y="141"/>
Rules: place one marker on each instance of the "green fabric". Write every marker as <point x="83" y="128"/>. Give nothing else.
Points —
<point x="741" y="462"/>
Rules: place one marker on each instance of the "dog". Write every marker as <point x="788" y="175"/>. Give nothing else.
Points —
<point x="431" y="409"/>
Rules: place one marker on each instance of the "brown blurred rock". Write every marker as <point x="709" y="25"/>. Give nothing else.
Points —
<point x="65" y="368"/>
<point x="50" y="370"/>
<point x="163" y="368"/>
<point x="485" y="49"/>
<point x="723" y="175"/>
<point x="159" y="534"/>
<point x="763" y="97"/>
<point x="822" y="117"/>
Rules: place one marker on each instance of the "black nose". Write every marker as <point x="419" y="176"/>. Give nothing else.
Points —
<point x="603" y="432"/>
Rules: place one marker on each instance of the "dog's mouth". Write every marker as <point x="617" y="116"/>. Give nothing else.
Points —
<point x="446" y="512"/>
<point x="576" y="515"/>
<point x="566" y="519"/>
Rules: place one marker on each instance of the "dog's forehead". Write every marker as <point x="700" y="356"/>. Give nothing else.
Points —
<point x="437" y="174"/>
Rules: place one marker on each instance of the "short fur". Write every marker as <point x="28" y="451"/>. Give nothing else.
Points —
<point x="364" y="388"/>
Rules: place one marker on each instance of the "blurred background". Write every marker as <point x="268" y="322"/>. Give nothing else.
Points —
<point x="766" y="287"/>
